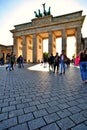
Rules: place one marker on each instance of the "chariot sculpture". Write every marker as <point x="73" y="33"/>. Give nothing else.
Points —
<point x="45" y="13"/>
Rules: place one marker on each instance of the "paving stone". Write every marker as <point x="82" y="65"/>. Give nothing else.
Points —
<point x="52" y="103"/>
<point x="4" y="104"/>
<point x="15" y="102"/>
<point x="25" y="117"/>
<point x="64" y="113"/>
<point x="8" y="123"/>
<point x="77" y="118"/>
<point x="0" y="110"/>
<point x="63" y="106"/>
<point x="40" y="113"/>
<point x="54" y="98"/>
<point x="23" y="105"/>
<point x="51" y="118"/>
<point x="41" y="106"/>
<point x="83" y="106"/>
<point x="19" y="127"/>
<point x="30" y="109"/>
<point x="72" y="103"/>
<point x="37" y="123"/>
<point x="65" y="123"/>
<point x="80" y="127"/>
<point x="52" y="109"/>
<point x="74" y="109"/>
<point x="26" y="100"/>
<point x="80" y="100"/>
<point x="9" y="99"/>
<point x="52" y="126"/>
<point x="16" y="113"/>
<point x="85" y="122"/>
<point x="70" y="98"/>
<point x="3" y="116"/>
<point x="84" y="113"/>
<point x="44" y="100"/>
<point x="7" y="109"/>
<point x="33" y="103"/>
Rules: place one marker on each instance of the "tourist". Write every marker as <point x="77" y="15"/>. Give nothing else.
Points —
<point x="8" y="60"/>
<point x="56" y="62"/>
<point x="20" y="61"/>
<point x="51" y="61"/>
<point x="83" y="65"/>
<point x="12" y="60"/>
<point x="63" y="58"/>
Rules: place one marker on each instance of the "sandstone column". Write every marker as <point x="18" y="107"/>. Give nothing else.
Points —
<point x="50" y="43"/>
<point x="39" y="48"/>
<point x="15" y="43"/>
<point x="29" y="48"/>
<point x="64" y="40"/>
<point x="24" y="49"/>
<point x="34" y="48"/>
<point x="78" y="40"/>
<point x="54" y="44"/>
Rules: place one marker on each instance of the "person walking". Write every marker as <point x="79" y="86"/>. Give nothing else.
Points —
<point x="8" y="60"/>
<point x="56" y="62"/>
<point x="12" y="57"/>
<point x="22" y="61"/>
<point x="51" y="62"/>
<point x="83" y="65"/>
<point x="63" y="58"/>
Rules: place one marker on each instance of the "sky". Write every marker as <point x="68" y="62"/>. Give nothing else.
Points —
<point x="14" y="12"/>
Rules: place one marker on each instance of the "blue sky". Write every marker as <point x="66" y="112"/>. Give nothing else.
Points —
<point x="15" y="12"/>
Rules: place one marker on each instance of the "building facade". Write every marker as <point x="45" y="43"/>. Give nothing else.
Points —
<point x="28" y="37"/>
<point x="4" y="50"/>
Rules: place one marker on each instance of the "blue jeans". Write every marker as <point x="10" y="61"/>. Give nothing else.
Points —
<point x="62" y="66"/>
<point x="8" y="66"/>
<point x="83" y="70"/>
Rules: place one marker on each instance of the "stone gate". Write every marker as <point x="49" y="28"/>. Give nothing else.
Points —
<point x="28" y="37"/>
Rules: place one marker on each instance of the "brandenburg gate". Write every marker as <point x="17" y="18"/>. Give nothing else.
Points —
<point x="28" y="37"/>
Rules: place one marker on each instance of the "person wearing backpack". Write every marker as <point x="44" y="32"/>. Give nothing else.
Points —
<point x="83" y="65"/>
<point x="56" y="62"/>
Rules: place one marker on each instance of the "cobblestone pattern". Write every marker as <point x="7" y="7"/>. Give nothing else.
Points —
<point x="34" y="100"/>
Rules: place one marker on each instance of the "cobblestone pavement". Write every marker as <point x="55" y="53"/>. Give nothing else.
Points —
<point x="35" y="100"/>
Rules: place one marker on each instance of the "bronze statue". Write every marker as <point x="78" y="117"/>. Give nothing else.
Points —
<point x="36" y="15"/>
<point x="39" y="13"/>
<point x="49" y="13"/>
<point x="45" y="13"/>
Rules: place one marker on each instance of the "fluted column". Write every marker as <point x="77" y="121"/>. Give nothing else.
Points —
<point x="34" y="48"/>
<point x="24" y="49"/>
<point x="78" y="40"/>
<point x="15" y="43"/>
<point x="50" y="43"/>
<point x="64" y="40"/>
<point x="1" y="52"/>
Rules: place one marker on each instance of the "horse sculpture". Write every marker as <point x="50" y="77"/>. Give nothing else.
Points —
<point x="49" y="13"/>
<point x="45" y="13"/>
<point x="39" y="13"/>
<point x="36" y="15"/>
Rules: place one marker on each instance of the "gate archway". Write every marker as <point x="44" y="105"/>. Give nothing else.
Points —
<point x="32" y="34"/>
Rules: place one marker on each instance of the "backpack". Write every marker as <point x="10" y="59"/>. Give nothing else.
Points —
<point x="77" y="60"/>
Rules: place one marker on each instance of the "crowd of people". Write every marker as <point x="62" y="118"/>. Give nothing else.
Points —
<point x="58" y="61"/>
<point x="11" y="61"/>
